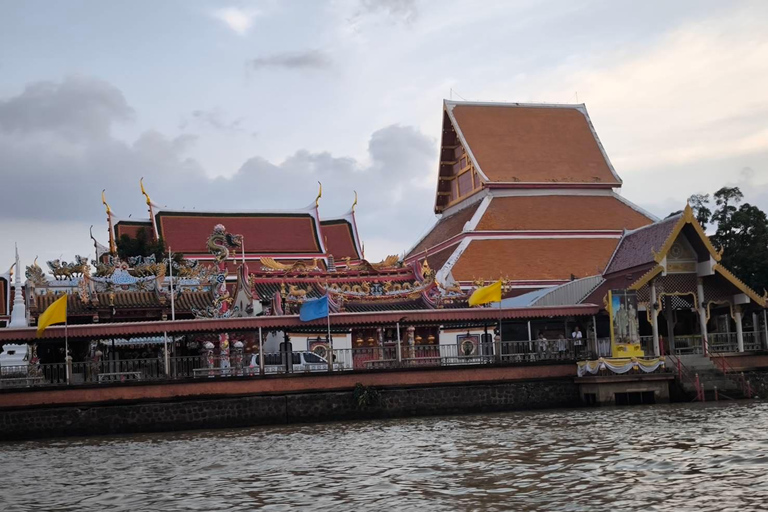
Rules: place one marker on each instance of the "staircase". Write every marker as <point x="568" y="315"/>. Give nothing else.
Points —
<point x="710" y="377"/>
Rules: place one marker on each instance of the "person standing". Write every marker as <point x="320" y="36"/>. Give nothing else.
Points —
<point x="578" y="341"/>
<point x="562" y="346"/>
<point x="541" y="341"/>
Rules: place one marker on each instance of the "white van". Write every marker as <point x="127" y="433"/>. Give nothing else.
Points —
<point x="302" y="362"/>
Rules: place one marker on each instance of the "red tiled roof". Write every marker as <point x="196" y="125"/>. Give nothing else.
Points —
<point x="340" y="239"/>
<point x="560" y="212"/>
<point x="188" y="232"/>
<point x="533" y="144"/>
<point x="131" y="228"/>
<point x="540" y="259"/>
<point x="445" y="228"/>
<point x="634" y="249"/>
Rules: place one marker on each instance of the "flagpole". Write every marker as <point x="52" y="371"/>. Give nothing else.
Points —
<point x="330" y="343"/>
<point x="170" y="267"/>
<point x="167" y="361"/>
<point x="67" y="361"/>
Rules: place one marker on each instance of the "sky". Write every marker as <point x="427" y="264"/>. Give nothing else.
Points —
<point x="248" y="104"/>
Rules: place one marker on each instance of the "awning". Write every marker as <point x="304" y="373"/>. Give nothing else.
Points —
<point x="287" y="322"/>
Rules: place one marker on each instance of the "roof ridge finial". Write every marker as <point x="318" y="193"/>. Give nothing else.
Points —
<point x="143" y="191"/>
<point x="319" y="195"/>
<point x="112" y="245"/>
<point x="355" y="203"/>
<point x="104" y="201"/>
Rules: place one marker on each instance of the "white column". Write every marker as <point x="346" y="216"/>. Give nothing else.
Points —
<point x="654" y="319"/>
<point x="739" y="333"/>
<point x="594" y="336"/>
<point x="702" y="316"/>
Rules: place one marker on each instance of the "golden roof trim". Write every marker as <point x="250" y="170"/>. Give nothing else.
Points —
<point x="738" y="283"/>
<point x="645" y="278"/>
<point x="687" y="218"/>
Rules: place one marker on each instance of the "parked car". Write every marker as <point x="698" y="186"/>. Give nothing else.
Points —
<point x="302" y="362"/>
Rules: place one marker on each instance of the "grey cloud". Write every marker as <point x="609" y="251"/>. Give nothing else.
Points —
<point x="51" y="181"/>
<point x="310" y="59"/>
<point x="214" y="118"/>
<point x="398" y="10"/>
<point x="75" y="108"/>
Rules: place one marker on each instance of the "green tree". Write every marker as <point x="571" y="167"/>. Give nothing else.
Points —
<point x="700" y="209"/>
<point x="742" y="233"/>
<point x="143" y="244"/>
<point x="699" y="206"/>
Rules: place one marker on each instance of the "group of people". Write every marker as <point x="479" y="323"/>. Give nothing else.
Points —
<point x="561" y="347"/>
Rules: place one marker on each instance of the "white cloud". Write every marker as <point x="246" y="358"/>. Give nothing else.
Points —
<point x="239" y="20"/>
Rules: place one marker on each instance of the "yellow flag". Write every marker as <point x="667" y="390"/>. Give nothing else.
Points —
<point x="486" y="294"/>
<point x="56" y="313"/>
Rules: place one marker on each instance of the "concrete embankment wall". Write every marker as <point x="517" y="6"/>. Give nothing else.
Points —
<point x="236" y="402"/>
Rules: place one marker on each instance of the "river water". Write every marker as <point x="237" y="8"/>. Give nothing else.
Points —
<point x="665" y="457"/>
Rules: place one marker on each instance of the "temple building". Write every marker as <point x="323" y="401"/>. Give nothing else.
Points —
<point x="287" y="236"/>
<point x="526" y="193"/>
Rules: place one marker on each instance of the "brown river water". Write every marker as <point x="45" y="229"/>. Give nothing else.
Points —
<point x="665" y="457"/>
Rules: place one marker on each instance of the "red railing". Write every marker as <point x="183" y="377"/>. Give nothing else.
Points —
<point x="729" y="371"/>
<point x="684" y="375"/>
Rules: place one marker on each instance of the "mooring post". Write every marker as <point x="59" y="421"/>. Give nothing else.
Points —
<point x="717" y="398"/>
<point x="699" y="391"/>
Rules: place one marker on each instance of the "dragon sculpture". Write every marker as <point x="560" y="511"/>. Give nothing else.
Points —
<point x="61" y="270"/>
<point x="220" y="241"/>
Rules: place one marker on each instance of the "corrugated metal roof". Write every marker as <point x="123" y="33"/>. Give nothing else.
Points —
<point x="436" y="316"/>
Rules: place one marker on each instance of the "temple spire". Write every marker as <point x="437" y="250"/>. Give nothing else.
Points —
<point x="19" y="313"/>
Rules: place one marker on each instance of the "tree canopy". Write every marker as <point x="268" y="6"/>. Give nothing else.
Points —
<point x="143" y="244"/>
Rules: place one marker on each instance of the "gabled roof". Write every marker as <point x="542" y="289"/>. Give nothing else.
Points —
<point x="533" y="259"/>
<point x="561" y="212"/>
<point x="532" y="143"/>
<point x="445" y="228"/>
<point x="263" y="232"/>
<point x="131" y="227"/>
<point x="634" y="248"/>
<point x="651" y="243"/>
<point x="341" y="237"/>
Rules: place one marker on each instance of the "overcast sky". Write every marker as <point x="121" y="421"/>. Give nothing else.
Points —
<point x="248" y="104"/>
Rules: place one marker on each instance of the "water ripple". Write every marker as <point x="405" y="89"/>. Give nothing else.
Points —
<point x="679" y="457"/>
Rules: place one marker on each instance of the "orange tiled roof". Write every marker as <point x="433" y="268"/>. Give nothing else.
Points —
<point x="445" y="228"/>
<point x="533" y="144"/>
<point x="560" y="212"/>
<point x="534" y="259"/>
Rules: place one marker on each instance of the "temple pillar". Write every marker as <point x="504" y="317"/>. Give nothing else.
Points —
<point x="669" y="313"/>
<point x="765" y="330"/>
<point x="702" y="315"/>
<point x="654" y="319"/>
<point x="739" y="332"/>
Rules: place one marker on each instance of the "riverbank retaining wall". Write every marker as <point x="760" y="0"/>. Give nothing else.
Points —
<point x="220" y="410"/>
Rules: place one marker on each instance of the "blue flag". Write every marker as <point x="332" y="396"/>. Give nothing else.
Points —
<point x="314" y="309"/>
